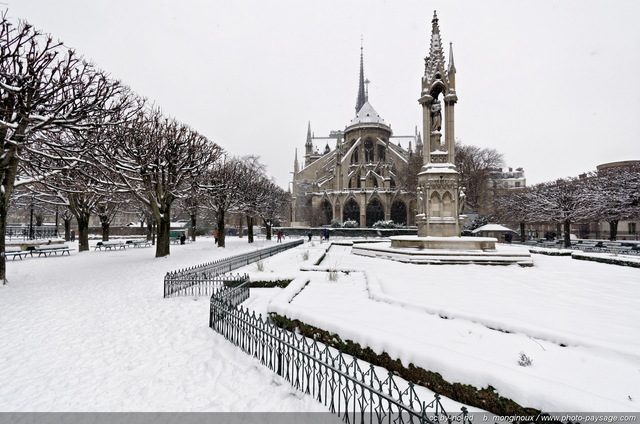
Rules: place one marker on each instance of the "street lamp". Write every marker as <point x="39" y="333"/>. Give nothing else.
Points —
<point x="31" y="222"/>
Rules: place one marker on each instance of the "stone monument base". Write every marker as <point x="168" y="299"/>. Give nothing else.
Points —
<point x="444" y="250"/>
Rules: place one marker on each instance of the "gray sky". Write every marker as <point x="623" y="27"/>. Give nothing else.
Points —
<point x="554" y="85"/>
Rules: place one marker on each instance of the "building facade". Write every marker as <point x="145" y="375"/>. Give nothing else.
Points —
<point x="362" y="173"/>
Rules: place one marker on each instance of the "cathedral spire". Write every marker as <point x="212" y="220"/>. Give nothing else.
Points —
<point x="362" y="95"/>
<point x="296" y="166"/>
<point x="451" y="71"/>
<point x="308" y="146"/>
<point x="435" y="59"/>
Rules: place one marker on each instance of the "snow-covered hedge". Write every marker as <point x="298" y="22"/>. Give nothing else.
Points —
<point x="350" y="224"/>
<point x="386" y="224"/>
<point x="486" y="398"/>
<point x="608" y="259"/>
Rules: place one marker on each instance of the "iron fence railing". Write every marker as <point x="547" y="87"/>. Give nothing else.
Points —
<point x="21" y="232"/>
<point x="205" y="277"/>
<point x="203" y="285"/>
<point x="349" y="387"/>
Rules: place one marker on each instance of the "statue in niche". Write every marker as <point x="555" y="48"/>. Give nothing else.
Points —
<point x="436" y="116"/>
<point x="462" y="200"/>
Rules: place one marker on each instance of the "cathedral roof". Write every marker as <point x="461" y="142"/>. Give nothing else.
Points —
<point x="367" y="115"/>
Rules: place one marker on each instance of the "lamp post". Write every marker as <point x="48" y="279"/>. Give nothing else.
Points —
<point x="57" y="221"/>
<point x="31" y="222"/>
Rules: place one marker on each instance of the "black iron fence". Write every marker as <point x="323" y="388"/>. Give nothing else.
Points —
<point x="203" y="285"/>
<point x="21" y="232"/>
<point x="353" y="389"/>
<point x="206" y="277"/>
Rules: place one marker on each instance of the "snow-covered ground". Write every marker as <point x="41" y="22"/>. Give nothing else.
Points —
<point x="91" y="332"/>
<point x="579" y="323"/>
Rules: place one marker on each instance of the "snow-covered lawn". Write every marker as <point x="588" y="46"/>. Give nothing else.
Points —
<point x="578" y="321"/>
<point x="91" y="332"/>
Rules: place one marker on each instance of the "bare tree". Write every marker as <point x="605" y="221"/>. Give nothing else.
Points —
<point x="44" y="86"/>
<point x="273" y="205"/>
<point x="224" y="186"/>
<point x="563" y="201"/>
<point x="253" y="185"/>
<point x="516" y="206"/>
<point x="155" y="159"/>
<point x="613" y="195"/>
<point x="475" y="165"/>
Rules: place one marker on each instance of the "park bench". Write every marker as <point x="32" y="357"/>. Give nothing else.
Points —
<point x="13" y="251"/>
<point x="108" y="245"/>
<point x="47" y="249"/>
<point x="139" y="243"/>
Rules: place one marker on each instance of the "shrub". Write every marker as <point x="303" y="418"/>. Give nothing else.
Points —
<point x="350" y="224"/>
<point x="524" y="360"/>
<point x="386" y="224"/>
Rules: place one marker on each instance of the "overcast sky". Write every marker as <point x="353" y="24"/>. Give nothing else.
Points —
<point x="553" y="85"/>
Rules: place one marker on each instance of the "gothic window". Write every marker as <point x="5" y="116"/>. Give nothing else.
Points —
<point x="392" y="183"/>
<point x="374" y="181"/>
<point x="354" y="156"/>
<point x="381" y="153"/>
<point x="375" y="212"/>
<point x="399" y="212"/>
<point x="351" y="211"/>
<point x="325" y="212"/>
<point x="368" y="151"/>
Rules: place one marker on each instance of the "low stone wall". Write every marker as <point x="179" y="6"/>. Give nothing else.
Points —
<point x="346" y="232"/>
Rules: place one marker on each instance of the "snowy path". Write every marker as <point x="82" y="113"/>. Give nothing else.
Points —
<point x="91" y="332"/>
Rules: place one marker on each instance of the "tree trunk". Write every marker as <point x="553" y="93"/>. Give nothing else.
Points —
<point x="164" y="239"/>
<point x="3" y="230"/>
<point x="240" y="226"/>
<point x="221" y="231"/>
<point x="567" y="233"/>
<point x="67" y="229"/>
<point x="193" y="227"/>
<point x="613" y="230"/>
<point x="83" y="232"/>
<point x="105" y="231"/>
<point x="267" y="228"/>
<point x="523" y="236"/>
<point x="150" y="232"/>
<point x="250" y="229"/>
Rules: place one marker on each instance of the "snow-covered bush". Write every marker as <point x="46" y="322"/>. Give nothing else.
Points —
<point x="350" y="224"/>
<point x="386" y="224"/>
<point x="481" y="220"/>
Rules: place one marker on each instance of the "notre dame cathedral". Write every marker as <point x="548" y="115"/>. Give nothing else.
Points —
<point x="363" y="173"/>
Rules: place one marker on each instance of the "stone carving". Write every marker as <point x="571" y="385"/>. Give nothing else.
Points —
<point x="436" y="117"/>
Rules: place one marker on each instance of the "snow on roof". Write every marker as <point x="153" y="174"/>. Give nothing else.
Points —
<point x="492" y="227"/>
<point x="367" y="114"/>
